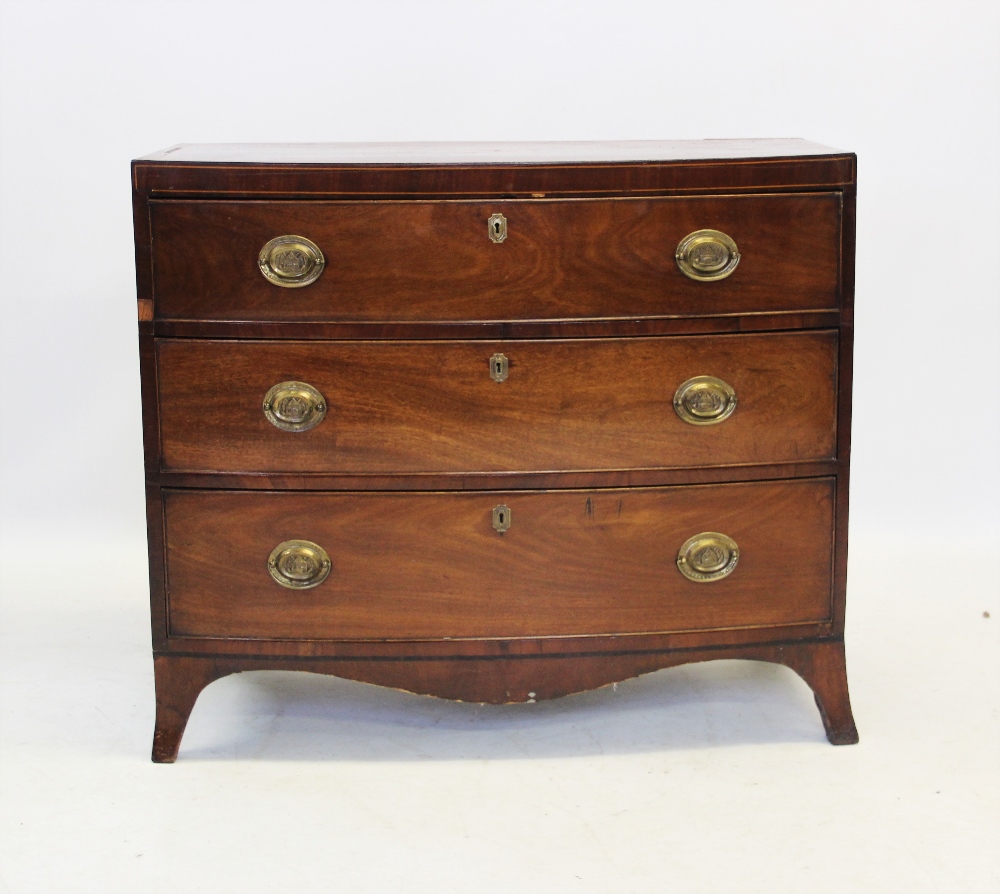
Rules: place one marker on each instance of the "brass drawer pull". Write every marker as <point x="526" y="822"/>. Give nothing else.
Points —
<point x="497" y="225"/>
<point x="299" y="564"/>
<point x="705" y="400"/>
<point x="708" y="556"/>
<point x="501" y="519"/>
<point x="294" y="406"/>
<point x="707" y="255"/>
<point x="291" y="261"/>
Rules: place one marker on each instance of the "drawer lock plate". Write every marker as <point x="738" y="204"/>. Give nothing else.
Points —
<point x="497" y="227"/>
<point x="499" y="366"/>
<point x="501" y="518"/>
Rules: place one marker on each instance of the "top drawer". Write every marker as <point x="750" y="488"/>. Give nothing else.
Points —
<point x="445" y="261"/>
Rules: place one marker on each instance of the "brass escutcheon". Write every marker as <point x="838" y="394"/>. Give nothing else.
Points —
<point x="497" y="225"/>
<point x="291" y="261"/>
<point x="501" y="518"/>
<point x="499" y="366"/>
<point x="708" y="556"/>
<point x="704" y="400"/>
<point x="707" y="255"/>
<point x="299" y="564"/>
<point x="294" y="406"/>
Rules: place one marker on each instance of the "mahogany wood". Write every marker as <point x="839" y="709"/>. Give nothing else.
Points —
<point x="533" y="329"/>
<point x="495" y="480"/>
<point x="432" y="407"/>
<point x="434" y="260"/>
<point x="500" y="648"/>
<point x="553" y="169"/>
<point x="406" y="283"/>
<point x="431" y="566"/>
<point x="179" y="682"/>
<point x="179" y="679"/>
<point x="844" y="410"/>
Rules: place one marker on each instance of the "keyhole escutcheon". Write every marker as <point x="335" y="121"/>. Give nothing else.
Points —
<point x="499" y="366"/>
<point x="497" y="227"/>
<point x="501" y="518"/>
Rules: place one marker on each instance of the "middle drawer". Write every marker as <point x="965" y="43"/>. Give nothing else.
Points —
<point x="467" y="407"/>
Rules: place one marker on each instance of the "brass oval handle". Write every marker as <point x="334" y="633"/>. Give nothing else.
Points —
<point x="707" y="255"/>
<point x="299" y="564"/>
<point x="291" y="261"/>
<point x="708" y="556"/>
<point x="704" y="400"/>
<point x="294" y="406"/>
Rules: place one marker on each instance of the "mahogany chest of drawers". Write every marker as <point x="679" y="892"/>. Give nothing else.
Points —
<point x="495" y="422"/>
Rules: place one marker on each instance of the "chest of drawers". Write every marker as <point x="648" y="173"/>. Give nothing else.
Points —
<point x="495" y="422"/>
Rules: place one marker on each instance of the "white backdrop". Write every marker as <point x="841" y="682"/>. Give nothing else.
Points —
<point x="912" y="87"/>
<point x="700" y="779"/>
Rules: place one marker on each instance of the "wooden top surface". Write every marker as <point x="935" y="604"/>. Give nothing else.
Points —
<point x="454" y="170"/>
<point x="509" y="153"/>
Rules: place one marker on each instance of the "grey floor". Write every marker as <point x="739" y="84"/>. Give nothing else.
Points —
<point x="704" y="778"/>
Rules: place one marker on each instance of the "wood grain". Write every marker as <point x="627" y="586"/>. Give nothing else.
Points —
<point x="534" y="329"/>
<point x="180" y="679"/>
<point x="773" y="167"/>
<point x="431" y="566"/>
<point x="845" y="390"/>
<point x="583" y="591"/>
<point x="434" y="261"/>
<point x="443" y="481"/>
<point x="525" y="647"/>
<point x="420" y="407"/>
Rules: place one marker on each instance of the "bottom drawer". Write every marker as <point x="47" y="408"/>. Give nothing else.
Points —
<point x="434" y="566"/>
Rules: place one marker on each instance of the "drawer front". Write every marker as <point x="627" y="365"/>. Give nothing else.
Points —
<point x="408" y="407"/>
<point x="436" y="261"/>
<point x="432" y="565"/>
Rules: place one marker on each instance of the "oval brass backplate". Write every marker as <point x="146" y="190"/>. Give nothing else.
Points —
<point x="707" y="255"/>
<point x="704" y="400"/>
<point x="708" y="556"/>
<point x="299" y="564"/>
<point x="291" y="261"/>
<point x="294" y="406"/>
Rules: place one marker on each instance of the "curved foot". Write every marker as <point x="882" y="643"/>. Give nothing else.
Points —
<point x="179" y="681"/>
<point x="823" y="666"/>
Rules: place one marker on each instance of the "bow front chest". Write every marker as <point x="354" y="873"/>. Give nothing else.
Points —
<point x="495" y="422"/>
